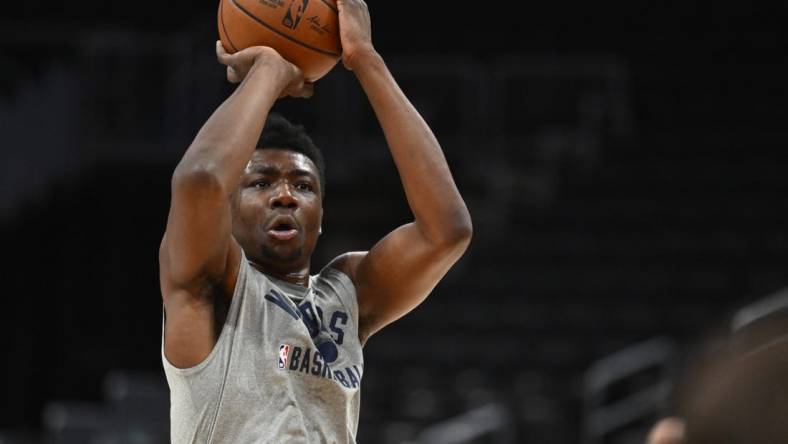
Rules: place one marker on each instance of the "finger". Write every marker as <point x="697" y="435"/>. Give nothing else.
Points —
<point x="221" y="54"/>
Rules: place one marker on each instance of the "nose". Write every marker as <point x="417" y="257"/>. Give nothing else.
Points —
<point x="282" y="197"/>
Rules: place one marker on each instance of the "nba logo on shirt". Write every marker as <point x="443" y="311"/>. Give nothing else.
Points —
<point x="284" y="351"/>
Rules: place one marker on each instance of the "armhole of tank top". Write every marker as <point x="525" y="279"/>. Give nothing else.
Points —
<point x="232" y="319"/>
<point x="350" y="288"/>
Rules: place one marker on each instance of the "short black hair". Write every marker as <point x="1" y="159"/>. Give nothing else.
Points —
<point x="279" y="132"/>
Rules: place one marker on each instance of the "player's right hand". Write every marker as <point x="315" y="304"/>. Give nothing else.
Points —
<point x="240" y="63"/>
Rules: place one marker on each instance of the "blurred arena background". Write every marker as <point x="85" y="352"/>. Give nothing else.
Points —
<point x="625" y="168"/>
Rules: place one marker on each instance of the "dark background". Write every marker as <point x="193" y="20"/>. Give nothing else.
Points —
<point x="624" y="167"/>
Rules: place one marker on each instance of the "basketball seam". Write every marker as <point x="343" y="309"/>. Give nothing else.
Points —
<point x="332" y="7"/>
<point x="318" y="50"/>
<point x="226" y="34"/>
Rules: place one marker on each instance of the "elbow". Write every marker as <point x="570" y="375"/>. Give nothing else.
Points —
<point x="457" y="235"/>
<point x="463" y="233"/>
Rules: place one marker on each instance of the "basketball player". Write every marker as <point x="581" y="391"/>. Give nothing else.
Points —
<point x="255" y="349"/>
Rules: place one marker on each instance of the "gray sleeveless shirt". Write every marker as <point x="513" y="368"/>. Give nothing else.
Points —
<point x="287" y="366"/>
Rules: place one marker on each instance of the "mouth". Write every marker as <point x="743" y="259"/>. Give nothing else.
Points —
<point x="283" y="231"/>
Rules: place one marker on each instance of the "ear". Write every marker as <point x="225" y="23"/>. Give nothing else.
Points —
<point x="320" y="230"/>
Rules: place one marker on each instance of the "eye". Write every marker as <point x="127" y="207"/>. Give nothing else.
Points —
<point x="260" y="184"/>
<point x="304" y="186"/>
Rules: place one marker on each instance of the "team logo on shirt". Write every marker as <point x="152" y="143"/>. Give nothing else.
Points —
<point x="312" y="317"/>
<point x="327" y="337"/>
<point x="284" y="351"/>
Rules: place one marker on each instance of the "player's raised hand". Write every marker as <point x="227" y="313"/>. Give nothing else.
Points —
<point x="355" y="31"/>
<point x="240" y="63"/>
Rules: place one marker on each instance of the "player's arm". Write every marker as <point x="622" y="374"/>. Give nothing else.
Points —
<point x="199" y="259"/>
<point x="402" y="268"/>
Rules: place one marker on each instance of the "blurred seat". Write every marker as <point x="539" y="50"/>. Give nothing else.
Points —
<point x="19" y="437"/>
<point x="760" y="323"/>
<point x="626" y="391"/>
<point x="488" y="423"/>
<point x="67" y="422"/>
<point x="135" y="411"/>
<point x="541" y="402"/>
<point x="139" y="403"/>
<point x="417" y="397"/>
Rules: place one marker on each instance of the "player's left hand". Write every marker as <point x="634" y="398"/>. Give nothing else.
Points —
<point x="355" y="31"/>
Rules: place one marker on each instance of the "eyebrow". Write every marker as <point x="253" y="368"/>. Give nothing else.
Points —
<point x="270" y="170"/>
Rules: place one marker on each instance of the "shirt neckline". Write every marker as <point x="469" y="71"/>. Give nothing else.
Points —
<point x="298" y="290"/>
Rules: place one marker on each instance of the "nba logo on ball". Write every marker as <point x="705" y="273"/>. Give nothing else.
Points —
<point x="304" y="32"/>
<point x="292" y="19"/>
<point x="284" y="351"/>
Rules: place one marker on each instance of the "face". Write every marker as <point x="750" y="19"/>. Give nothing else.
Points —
<point x="277" y="210"/>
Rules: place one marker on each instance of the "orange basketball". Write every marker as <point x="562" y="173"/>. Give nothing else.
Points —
<point x="305" y="32"/>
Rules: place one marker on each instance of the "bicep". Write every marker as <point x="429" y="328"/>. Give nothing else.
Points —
<point x="199" y="262"/>
<point x="398" y="273"/>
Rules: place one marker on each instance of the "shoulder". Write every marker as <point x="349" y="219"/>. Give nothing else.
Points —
<point x="347" y="263"/>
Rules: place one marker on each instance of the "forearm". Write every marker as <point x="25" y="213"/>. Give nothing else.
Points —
<point x="226" y="141"/>
<point x="429" y="187"/>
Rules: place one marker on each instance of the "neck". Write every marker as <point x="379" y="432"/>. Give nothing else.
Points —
<point x="298" y="277"/>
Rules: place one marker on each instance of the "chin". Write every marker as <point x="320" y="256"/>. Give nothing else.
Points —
<point x="281" y="255"/>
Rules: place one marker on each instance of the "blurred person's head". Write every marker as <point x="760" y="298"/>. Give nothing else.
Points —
<point x="741" y="399"/>
<point x="732" y="387"/>
<point x="735" y="391"/>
